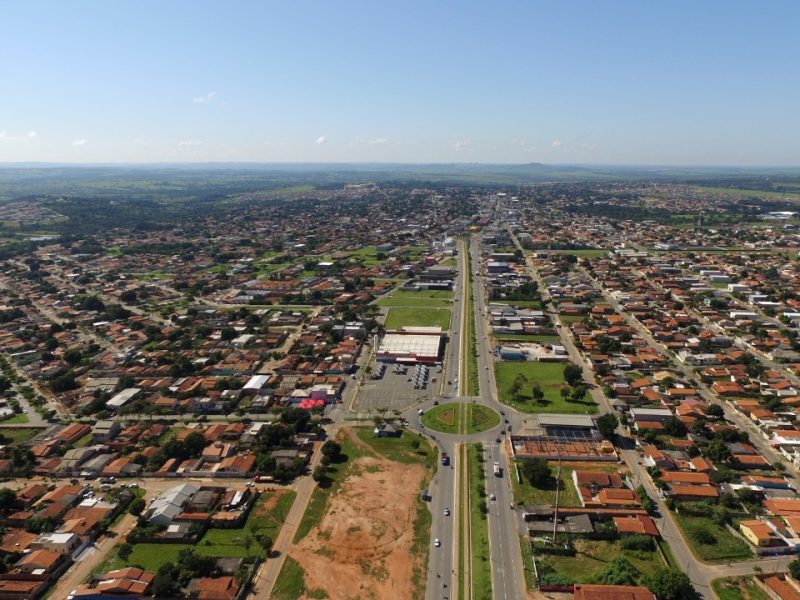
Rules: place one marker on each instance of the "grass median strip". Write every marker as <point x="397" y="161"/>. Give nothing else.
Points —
<point x="470" y="338"/>
<point x="479" y="538"/>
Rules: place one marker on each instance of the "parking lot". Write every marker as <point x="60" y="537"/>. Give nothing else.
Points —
<point x="394" y="391"/>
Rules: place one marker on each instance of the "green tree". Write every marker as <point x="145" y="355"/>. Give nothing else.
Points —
<point x="165" y="583"/>
<point x="73" y="356"/>
<point x="537" y="472"/>
<point x="194" y="443"/>
<point x="607" y="424"/>
<point x="718" y="451"/>
<point x="670" y="585"/>
<point x="537" y="392"/>
<point x="124" y="551"/>
<point x="331" y="449"/>
<point x="794" y="568"/>
<point x="137" y="506"/>
<point x="572" y="374"/>
<point x="619" y="571"/>
<point x="8" y="498"/>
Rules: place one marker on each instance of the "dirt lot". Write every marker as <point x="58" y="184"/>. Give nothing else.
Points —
<point x="362" y="548"/>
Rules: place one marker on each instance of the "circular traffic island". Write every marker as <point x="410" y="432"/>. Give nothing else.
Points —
<point x="460" y="418"/>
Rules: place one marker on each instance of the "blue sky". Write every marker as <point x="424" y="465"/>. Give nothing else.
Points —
<point x="593" y="82"/>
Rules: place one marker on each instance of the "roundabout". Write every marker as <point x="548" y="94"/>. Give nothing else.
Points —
<point x="460" y="418"/>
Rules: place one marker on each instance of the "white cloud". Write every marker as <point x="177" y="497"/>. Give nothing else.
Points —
<point x="460" y="145"/>
<point x="203" y="99"/>
<point x="78" y="142"/>
<point x="17" y="138"/>
<point x="186" y="143"/>
<point x="321" y="140"/>
<point x="378" y="142"/>
<point x="556" y="144"/>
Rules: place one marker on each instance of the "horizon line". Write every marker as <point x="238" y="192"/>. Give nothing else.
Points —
<point x="34" y="164"/>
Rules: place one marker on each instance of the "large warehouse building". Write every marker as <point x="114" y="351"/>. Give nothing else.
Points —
<point x="411" y="345"/>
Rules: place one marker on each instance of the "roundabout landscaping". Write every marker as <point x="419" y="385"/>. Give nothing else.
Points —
<point x="460" y="417"/>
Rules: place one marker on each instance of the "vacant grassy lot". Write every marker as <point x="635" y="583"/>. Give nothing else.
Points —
<point x="738" y="588"/>
<point x="406" y="449"/>
<point x="593" y="555"/>
<point x="430" y="298"/>
<point x="18" y="435"/>
<point x="319" y="497"/>
<point x="549" y="377"/>
<point x="727" y="546"/>
<point x="291" y="584"/>
<point x="527" y="494"/>
<point x="569" y="319"/>
<point x="321" y="534"/>
<point x="404" y="316"/>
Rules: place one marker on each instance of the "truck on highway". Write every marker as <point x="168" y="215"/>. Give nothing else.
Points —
<point x="498" y="470"/>
<point x="445" y="459"/>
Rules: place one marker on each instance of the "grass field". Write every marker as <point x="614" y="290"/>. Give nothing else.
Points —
<point x="18" y="419"/>
<point x="417" y="317"/>
<point x="738" y="588"/>
<point x="549" y="376"/>
<point x="727" y="547"/>
<point x="746" y="193"/>
<point x="593" y="555"/>
<point x="429" y="298"/>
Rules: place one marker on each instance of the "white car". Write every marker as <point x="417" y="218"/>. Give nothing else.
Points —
<point x="446" y="512"/>
<point x="437" y="543"/>
<point x="492" y="497"/>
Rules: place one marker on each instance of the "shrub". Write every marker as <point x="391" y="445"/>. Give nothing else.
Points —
<point x="637" y="542"/>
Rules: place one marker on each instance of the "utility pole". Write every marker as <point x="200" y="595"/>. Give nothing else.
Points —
<point x="558" y="491"/>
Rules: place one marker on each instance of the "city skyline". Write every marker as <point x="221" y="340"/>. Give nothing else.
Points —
<point x="566" y="83"/>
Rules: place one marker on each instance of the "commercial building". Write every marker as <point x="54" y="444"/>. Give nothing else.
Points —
<point x="411" y="345"/>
